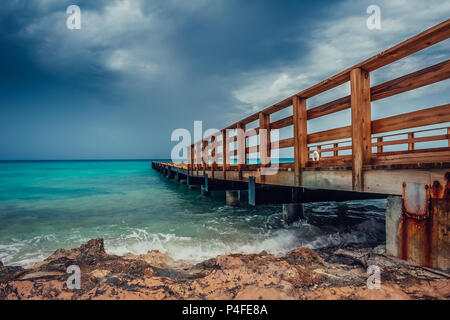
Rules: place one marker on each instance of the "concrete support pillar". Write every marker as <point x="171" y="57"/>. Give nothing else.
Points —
<point x="440" y="236"/>
<point x="205" y="189"/>
<point x="251" y="191"/>
<point x="191" y="186"/>
<point x="233" y="198"/>
<point x="292" y="212"/>
<point x="424" y="242"/>
<point x="393" y="219"/>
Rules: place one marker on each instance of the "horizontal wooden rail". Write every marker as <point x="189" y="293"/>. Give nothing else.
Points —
<point x="330" y="135"/>
<point x="285" y="122"/>
<point x="411" y="140"/>
<point x="411" y="81"/>
<point x="420" y="118"/>
<point x="421" y="41"/>
<point x="331" y="149"/>
<point x="333" y="145"/>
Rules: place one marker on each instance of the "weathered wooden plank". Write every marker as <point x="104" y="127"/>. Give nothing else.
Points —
<point x="421" y="41"/>
<point x="300" y="136"/>
<point x="422" y="156"/>
<point x="426" y="154"/>
<point x="284" y="143"/>
<point x="448" y="132"/>
<point x="411" y="140"/>
<point x="241" y="148"/>
<point x="361" y="124"/>
<point x="379" y="140"/>
<point x="414" y="80"/>
<point x="253" y="149"/>
<point x="285" y="122"/>
<point x="424" y="117"/>
<point x="213" y="153"/>
<point x="330" y="135"/>
<point x="192" y="157"/>
<point x="411" y="81"/>
<point x="204" y="153"/>
<point x="225" y="145"/>
<point x="329" y="162"/>
<point x="329" y="107"/>
<point x="334" y="149"/>
<point x="198" y="154"/>
<point x="264" y="139"/>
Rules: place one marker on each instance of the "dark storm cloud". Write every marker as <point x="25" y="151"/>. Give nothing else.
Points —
<point x="139" y="69"/>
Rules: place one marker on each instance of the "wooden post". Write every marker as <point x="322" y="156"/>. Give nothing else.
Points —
<point x="380" y="147"/>
<point x="194" y="167"/>
<point x="448" y="133"/>
<point x="224" y="152"/>
<point x="335" y="152"/>
<point x="213" y="155"/>
<point x="300" y="137"/>
<point x="188" y="158"/>
<point x="264" y="146"/>
<point x="242" y="154"/>
<point x="198" y="154"/>
<point x="361" y="125"/>
<point x="410" y="144"/>
<point x="192" y="158"/>
<point x="204" y="154"/>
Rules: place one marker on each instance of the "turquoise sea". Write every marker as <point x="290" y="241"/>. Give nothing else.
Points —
<point x="45" y="206"/>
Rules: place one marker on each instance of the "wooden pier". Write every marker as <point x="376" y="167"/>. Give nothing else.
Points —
<point x="366" y="159"/>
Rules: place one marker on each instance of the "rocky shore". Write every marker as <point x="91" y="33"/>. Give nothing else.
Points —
<point x="338" y="273"/>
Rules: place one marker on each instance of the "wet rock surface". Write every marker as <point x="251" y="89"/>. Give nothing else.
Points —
<point x="333" y="273"/>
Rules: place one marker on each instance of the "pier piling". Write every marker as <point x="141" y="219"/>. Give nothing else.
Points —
<point x="292" y="212"/>
<point x="233" y="198"/>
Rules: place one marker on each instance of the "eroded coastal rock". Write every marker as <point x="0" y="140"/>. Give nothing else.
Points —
<point x="300" y="274"/>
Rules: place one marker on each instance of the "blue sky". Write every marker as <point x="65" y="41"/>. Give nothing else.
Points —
<point x="139" y="69"/>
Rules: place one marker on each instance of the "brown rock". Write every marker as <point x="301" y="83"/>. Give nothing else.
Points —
<point x="300" y="274"/>
<point x="303" y="256"/>
<point x="157" y="259"/>
<point x="229" y="261"/>
<point x="87" y="254"/>
<point x="40" y="275"/>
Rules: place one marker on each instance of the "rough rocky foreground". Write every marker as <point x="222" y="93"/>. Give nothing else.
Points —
<point x="300" y="274"/>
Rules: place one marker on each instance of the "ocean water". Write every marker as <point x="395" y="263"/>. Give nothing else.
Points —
<point x="45" y="206"/>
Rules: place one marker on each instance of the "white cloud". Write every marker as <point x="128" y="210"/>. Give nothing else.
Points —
<point x="120" y="37"/>
<point x="338" y="43"/>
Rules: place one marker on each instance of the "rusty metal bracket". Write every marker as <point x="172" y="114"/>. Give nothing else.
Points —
<point x="439" y="191"/>
<point x="416" y="201"/>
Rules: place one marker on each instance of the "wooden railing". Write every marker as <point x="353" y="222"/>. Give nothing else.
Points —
<point x="357" y="145"/>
